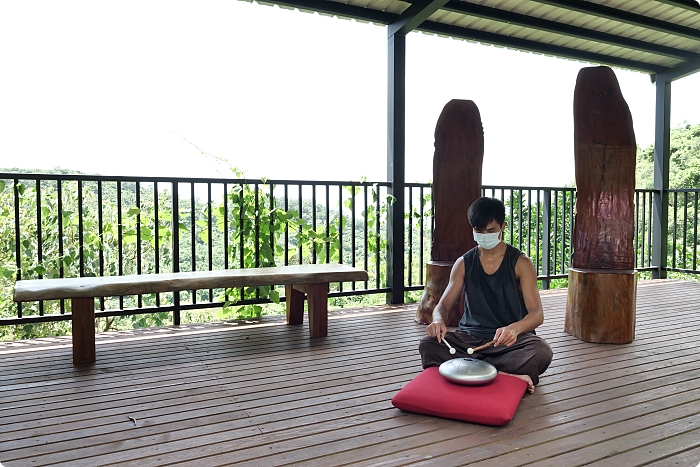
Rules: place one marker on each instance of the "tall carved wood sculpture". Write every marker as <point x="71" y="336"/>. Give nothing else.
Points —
<point x="602" y="292"/>
<point x="459" y="155"/>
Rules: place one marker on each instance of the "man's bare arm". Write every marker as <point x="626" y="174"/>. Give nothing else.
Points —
<point x="525" y="272"/>
<point x="452" y="292"/>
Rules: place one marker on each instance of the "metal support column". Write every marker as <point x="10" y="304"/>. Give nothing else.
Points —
<point x="396" y="163"/>
<point x="662" y="156"/>
<point x="546" y="244"/>
<point x="411" y="18"/>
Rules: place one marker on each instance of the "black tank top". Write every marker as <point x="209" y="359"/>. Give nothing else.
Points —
<point x="491" y="301"/>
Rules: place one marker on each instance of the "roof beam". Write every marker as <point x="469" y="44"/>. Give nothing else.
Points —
<point x="382" y="17"/>
<point x="681" y="71"/>
<point x="339" y="9"/>
<point x="623" y="16"/>
<point x="499" y="15"/>
<point x="532" y="46"/>
<point x="691" y="5"/>
<point x="414" y="15"/>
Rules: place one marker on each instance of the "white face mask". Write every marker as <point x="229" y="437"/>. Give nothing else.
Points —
<point x="487" y="241"/>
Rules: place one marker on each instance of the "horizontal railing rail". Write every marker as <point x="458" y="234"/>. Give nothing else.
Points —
<point x="55" y="225"/>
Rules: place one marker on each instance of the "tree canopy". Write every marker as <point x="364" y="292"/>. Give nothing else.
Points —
<point x="684" y="171"/>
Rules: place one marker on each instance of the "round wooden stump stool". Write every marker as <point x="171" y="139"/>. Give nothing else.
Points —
<point x="437" y="277"/>
<point x="601" y="305"/>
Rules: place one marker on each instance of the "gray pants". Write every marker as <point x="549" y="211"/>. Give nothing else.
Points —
<point x="530" y="355"/>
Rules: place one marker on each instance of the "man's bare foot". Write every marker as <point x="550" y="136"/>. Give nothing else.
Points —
<point x="526" y="378"/>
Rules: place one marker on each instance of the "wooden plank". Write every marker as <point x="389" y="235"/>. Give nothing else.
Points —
<point x="323" y="452"/>
<point x="308" y="417"/>
<point x="108" y="286"/>
<point x="537" y="446"/>
<point x="675" y="443"/>
<point x="196" y="447"/>
<point x="531" y="428"/>
<point x="685" y="458"/>
<point x="102" y="399"/>
<point x="211" y="394"/>
<point x="199" y="431"/>
<point x="172" y="387"/>
<point x="281" y="352"/>
<point x="599" y="445"/>
<point x="284" y="371"/>
<point x="199" y="416"/>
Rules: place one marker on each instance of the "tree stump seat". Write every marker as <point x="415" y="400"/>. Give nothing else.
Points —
<point x="308" y="281"/>
<point x="601" y="305"/>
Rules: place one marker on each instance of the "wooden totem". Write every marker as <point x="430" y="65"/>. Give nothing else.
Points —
<point x="459" y="155"/>
<point x="601" y="302"/>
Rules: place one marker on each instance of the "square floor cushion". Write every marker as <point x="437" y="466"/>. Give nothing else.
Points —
<point x="493" y="403"/>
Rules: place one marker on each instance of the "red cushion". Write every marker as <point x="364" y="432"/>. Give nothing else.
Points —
<point x="493" y="403"/>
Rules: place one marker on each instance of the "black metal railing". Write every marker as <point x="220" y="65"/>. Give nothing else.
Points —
<point x="683" y="231"/>
<point x="79" y="225"/>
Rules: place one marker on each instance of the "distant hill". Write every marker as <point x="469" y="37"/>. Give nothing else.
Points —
<point x="55" y="170"/>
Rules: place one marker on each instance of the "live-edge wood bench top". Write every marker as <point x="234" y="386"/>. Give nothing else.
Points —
<point x="310" y="280"/>
<point x="109" y="286"/>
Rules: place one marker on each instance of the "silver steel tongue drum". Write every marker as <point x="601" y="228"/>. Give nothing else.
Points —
<point x="468" y="371"/>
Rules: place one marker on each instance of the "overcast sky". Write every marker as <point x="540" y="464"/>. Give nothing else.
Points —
<point x="131" y="87"/>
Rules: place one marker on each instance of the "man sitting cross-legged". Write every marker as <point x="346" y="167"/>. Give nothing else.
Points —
<point x="501" y="303"/>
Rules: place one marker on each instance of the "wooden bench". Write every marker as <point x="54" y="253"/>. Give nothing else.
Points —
<point x="307" y="280"/>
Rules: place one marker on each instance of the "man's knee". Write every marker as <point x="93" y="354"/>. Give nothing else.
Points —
<point x="428" y="351"/>
<point x="544" y="354"/>
<point x="424" y="345"/>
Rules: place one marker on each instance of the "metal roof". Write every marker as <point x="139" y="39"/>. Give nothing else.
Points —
<point x="651" y="36"/>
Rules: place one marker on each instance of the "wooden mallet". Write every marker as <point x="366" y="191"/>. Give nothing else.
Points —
<point x="452" y="349"/>
<point x="471" y="351"/>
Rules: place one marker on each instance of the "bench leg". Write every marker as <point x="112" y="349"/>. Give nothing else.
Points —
<point x="83" y="319"/>
<point x="317" y="296"/>
<point x="295" y="305"/>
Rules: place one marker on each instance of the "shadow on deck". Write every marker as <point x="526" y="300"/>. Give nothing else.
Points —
<point x="263" y="395"/>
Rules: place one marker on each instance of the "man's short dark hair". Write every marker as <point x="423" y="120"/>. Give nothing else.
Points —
<point x="484" y="210"/>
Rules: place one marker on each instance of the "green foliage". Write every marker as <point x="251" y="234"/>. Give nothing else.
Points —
<point x="262" y="228"/>
<point x="558" y="283"/>
<point x="684" y="173"/>
<point x="61" y="251"/>
<point x="412" y="296"/>
<point x="256" y="241"/>
<point x="525" y="216"/>
<point x="125" y="231"/>
<point x="34" y="330"/>
<point x="417" y="225"/>
<point x="684" y="168"/>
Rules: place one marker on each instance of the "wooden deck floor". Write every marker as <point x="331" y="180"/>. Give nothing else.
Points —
<point x="263" y="395"/>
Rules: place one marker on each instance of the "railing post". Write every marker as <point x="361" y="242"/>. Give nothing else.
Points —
<point x="396" y="129"/>
<point x="18" y="251"/>
<point x="546" y="219"/>
<point x="662" y="154"/>
<point x="176" y="250"/>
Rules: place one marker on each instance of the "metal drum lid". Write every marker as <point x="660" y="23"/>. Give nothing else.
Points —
<point x="468" y="371"/>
